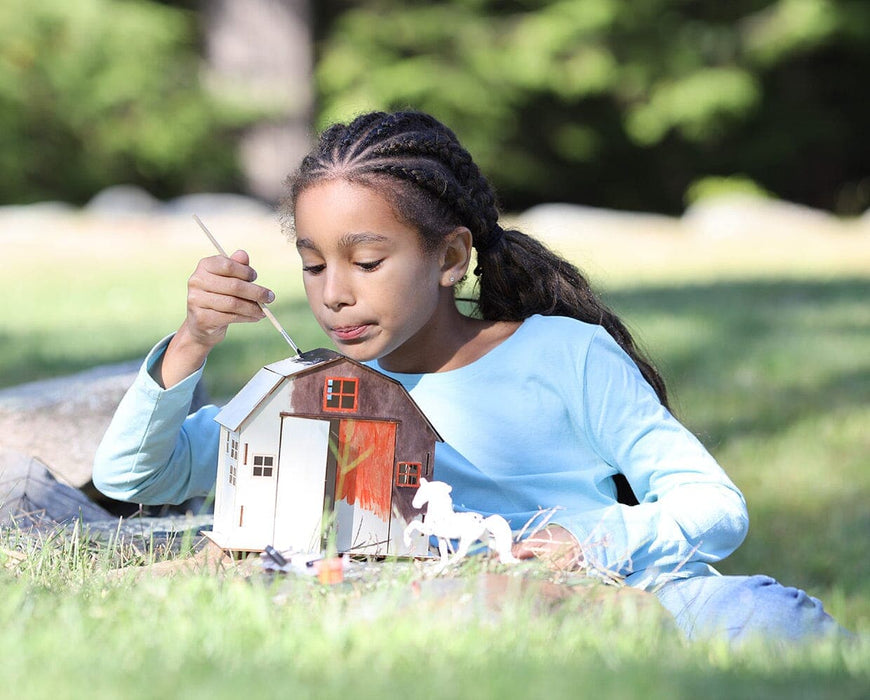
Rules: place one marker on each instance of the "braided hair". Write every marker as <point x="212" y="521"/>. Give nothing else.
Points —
<point x="432" y="183"/>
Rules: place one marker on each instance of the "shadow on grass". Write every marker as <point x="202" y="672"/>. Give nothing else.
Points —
<point x="769" y="370"/>
<point x="760" y="355"/>
<point x="822" y="546"/>
<point x="28" y="356"/>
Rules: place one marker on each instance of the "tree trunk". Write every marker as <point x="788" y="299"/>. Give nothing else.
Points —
<point x="260" y="52"/>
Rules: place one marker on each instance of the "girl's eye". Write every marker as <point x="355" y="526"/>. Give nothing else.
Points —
<point x="369" y="266"/>
<point x="313" y="269"/>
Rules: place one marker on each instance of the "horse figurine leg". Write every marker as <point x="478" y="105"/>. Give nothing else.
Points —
<point x="446" y="525"/>
<point x="444" y="551"/>
<point x="411" y="528"/>
<point x="501" y="536"/>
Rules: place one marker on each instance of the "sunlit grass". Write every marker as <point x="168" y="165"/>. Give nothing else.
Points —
<point x="221" y="635"/>
<point x="766" y="348"/>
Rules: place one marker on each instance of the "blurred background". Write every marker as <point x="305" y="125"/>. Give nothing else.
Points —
<point x="630" y="104"/>
<point x="706" y="163"/>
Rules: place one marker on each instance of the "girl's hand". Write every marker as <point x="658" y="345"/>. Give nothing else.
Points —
<point x="220" y="291"/>
<point x="553" y="545"/>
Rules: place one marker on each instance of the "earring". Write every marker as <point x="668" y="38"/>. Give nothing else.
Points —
<point x="452" y="279"/>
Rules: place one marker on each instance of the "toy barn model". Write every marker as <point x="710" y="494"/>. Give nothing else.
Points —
<point x="315" y="443"/>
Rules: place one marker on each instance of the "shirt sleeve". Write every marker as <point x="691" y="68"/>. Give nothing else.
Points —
<point x="689" y="510"/>
<point x="154" y="452"/>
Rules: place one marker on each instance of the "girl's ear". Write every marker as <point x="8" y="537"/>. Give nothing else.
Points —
<point x="455" y="256"/>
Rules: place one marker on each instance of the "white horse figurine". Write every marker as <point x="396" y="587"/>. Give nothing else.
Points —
<point x="442" y="522"/>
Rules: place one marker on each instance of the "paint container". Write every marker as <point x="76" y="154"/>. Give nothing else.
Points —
<point x="330" y="571"/>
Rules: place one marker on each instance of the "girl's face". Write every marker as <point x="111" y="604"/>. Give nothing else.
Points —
<point x="370" y="284"/>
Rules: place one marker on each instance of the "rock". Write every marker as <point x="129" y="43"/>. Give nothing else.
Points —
<point x="554" y="222"/>
<point x="121" y="200"/>
<point x="740" y="214"/>
<point x="207" y="205"/>
<point x="61" y="421"/>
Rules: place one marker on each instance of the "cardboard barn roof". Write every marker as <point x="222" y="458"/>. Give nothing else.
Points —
<point x="270" y="377"/>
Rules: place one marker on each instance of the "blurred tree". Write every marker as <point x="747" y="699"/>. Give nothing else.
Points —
<point x="259" y="52"/>
<point x="96" y="92"/>
<point x="620" y="103"/>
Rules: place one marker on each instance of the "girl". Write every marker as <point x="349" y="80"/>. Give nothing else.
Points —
<point x="542" y="398"/>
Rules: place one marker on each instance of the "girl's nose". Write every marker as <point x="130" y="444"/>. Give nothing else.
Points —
<point x="337" y="291"/>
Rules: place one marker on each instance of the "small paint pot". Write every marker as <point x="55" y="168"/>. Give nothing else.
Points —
<point x="330" y="571"/>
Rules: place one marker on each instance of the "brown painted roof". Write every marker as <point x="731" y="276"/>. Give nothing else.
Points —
<point x="269" y="378"/>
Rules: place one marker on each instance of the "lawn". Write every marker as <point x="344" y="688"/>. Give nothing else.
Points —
<point x="765" y="343"/>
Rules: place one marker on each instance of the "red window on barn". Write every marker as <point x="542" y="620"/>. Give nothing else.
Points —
<point x="340" y="394"/>
<point x="408" y="474"/>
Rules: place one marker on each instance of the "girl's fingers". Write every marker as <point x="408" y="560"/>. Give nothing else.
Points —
<point x="223" y="266"/>
<point x="241" y="256"/>
<point x="222" y="291"/>
<point x="221" y="275"/>
<point x="554" y="545"/>
<point x="227" y="308"/>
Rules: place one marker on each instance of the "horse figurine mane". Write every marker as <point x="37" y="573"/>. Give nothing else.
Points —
<point x="443" y="523"/>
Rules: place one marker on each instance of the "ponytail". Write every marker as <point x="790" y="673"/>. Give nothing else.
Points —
<point x="518" y="276"/>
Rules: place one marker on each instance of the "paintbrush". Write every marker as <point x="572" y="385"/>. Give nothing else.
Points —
<point x="266" y="311"/>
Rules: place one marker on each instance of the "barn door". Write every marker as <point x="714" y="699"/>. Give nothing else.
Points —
<point x="364" y="458"/>
<point x="301" y="476"/>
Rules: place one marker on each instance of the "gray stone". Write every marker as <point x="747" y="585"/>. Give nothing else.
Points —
<point x="61" y="421"/>
<point x="556" y="222"/>
<point x="741" y="214"/>
<point x="217" y="204"/>
<point x="123" y="200"/>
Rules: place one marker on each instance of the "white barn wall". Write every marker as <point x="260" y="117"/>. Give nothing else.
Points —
<point x="225" y="493"/>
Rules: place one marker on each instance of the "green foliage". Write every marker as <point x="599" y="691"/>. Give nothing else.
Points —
<point x="621" y="102"/>
<point x="96" y="92"/>
<point x="710" y="187"/>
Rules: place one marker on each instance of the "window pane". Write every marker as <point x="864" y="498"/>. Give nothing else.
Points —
<point x="340" y="394"/>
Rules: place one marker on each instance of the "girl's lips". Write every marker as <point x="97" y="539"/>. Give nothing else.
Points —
<point x="346" y="333"/>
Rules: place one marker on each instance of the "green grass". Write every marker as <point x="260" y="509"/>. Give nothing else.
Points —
<point x="768" y="361"/>
<point x="88" y="633"/>
<point x="774" y="377"/>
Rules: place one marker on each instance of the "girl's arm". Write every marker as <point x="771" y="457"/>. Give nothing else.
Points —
<point x="690" y="512"/>
<point x="153" y="452"/>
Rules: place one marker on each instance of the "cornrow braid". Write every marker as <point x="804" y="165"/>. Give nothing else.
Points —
<point x="432" y="182"/>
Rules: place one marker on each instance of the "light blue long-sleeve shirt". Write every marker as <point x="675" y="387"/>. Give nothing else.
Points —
<point x="543" y="421"/>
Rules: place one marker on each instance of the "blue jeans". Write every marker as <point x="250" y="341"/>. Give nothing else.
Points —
<point x="739" y="608"/>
